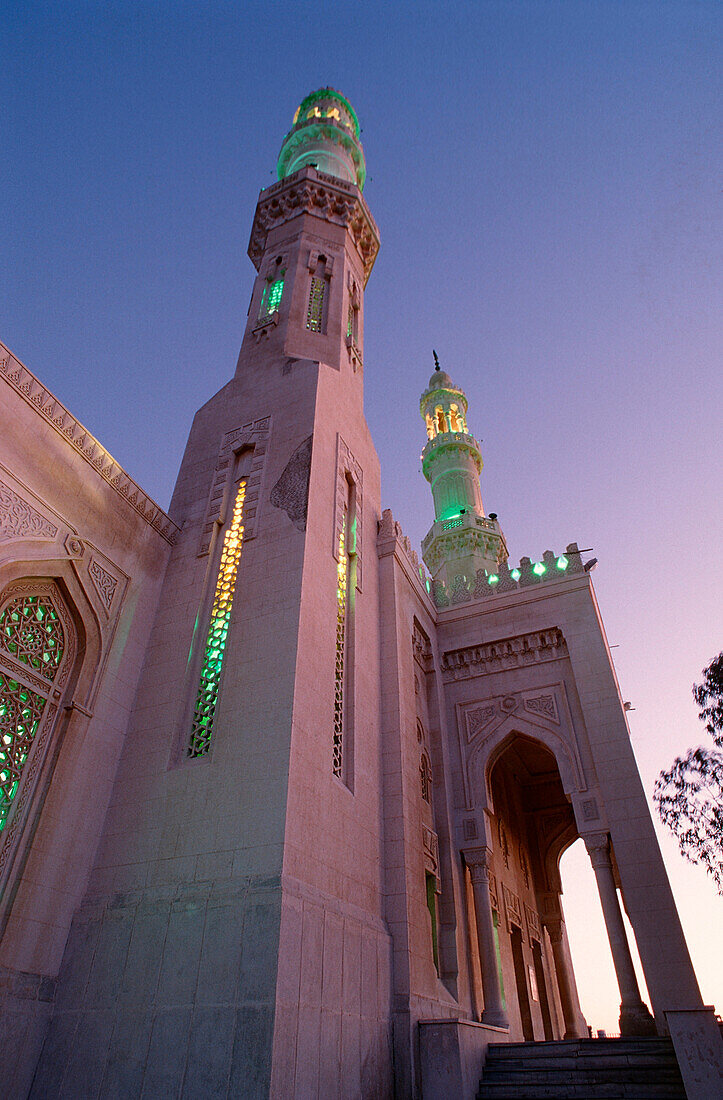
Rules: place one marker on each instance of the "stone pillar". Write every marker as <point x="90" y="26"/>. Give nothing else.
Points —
<point x="555" y="929"/>
<point x="635" y="1018"/>
<point x="478" y="860"/>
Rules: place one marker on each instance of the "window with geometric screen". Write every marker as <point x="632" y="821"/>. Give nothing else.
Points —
<point x="207" y="695"/>
<point x="32" y="645"/>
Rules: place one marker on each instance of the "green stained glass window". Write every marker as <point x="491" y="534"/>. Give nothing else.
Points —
<point x="272" y="296"/>
<point x="207" y="697"/>
<point x="31" y="631"/>
<point x="20" y="713"/>
<point x="341" y="601"/>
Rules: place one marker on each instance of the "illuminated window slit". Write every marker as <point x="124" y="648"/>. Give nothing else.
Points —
<point x="341" y="617"/>
<point x="207" y="697"/>
<point x="315" y="311"/>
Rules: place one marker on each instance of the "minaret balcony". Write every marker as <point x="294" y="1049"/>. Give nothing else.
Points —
<point x="467" y="533"/>
<point x="446" y="441"/>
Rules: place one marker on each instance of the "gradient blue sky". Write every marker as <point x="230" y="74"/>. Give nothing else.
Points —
<point x="546" y="179"/>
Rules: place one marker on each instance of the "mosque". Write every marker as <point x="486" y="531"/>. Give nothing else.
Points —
<point x="282" y="806"/>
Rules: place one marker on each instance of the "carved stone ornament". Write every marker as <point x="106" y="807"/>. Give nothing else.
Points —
<point x="105" y="583"/>
<point x="488" y="657"/>
<point x="74" y="546"/>
<point x="533" y="924"/>
<point x="311" y="192"/>
<point x="543" y="705"/>
<point x="20" y="520"/>
<point x="57" y="416"/>
<point x="291" y="491"/>
<point x="430" y="845"/>
<point x="477" y="719"/>
<point x="513" y="909"/>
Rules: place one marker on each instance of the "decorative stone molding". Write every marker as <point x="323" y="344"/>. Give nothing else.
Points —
<point x="19" y="519"/>
<point x="523" y="649"/>
<point x="54" y="413"/>
<point x="513" y="909"/>
<point x="256" y="434"/>
<point x="74" y="546"/>
<point x="598" y="847"/>
<point x="533" y="924"/>
<point x="543" y="705"/>
<point x="479" y="861"/>
<point x="104" y="581"/>
<point x="309" y="191"/>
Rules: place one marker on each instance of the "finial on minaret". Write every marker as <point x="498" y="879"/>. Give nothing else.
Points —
<point x="436" y="360"/>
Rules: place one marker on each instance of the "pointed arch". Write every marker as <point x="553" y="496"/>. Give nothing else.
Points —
<point x="483" y="755"/>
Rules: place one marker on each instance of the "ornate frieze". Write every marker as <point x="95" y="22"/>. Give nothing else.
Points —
<point x="524" y="649"/>
<point x="513" y="909"/>
<point x="52" y="411"/>
<point x="311" y="192"/>
<point x="20" y="520"/>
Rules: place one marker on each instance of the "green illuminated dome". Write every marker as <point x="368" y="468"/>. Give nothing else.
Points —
<point x="325" y="134"/>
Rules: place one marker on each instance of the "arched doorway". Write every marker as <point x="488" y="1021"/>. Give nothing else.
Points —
<point x="530" y="823"/>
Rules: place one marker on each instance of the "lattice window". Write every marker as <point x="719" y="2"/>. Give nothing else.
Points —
<point x="425" y="777"/>
<point x="341" y="606"/>
<point x="271" y="299"/>
<point x="30" y="630"/>
<point x="21" y="711"/>
<point x="207" y="697"/>
<point x="350" y="320"/>
<point x="315" y="310"/>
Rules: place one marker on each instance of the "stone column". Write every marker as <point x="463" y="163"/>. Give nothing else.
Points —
<point x="635" y="1018"/>
<point x="555" y="928"/>
<point x="478" y="860"/>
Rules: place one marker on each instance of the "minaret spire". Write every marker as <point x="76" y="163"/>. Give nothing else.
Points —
<point x="462" y="540"/>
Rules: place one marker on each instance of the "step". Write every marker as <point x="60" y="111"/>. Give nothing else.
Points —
<point x="506" y="1091"/>
<point x="553" y="1073"/>
<point x="584" y="1061"/>
<point x="578" y="1046"/>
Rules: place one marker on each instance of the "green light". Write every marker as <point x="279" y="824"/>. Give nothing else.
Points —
<point x="562" y="562"/>
<point x="493" y="579"/>
<point x="538" y="568"/>
<point x="273" y="298"/>
<point x="515" y="574"/>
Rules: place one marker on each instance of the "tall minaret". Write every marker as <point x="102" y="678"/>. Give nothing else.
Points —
<point x="462" y="540"/>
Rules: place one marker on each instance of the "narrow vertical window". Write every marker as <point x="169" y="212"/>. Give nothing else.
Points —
<point x="271" y="298"/>
<point x="315" y="310"/>
<point x="425" y="775"/>
<point x="342" y="581"/>
<point x="207" y="697"/>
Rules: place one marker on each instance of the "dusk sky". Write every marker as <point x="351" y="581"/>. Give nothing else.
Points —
<point x="546" y="180"/>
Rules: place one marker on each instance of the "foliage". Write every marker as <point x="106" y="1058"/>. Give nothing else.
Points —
<point x="689" y="796"/>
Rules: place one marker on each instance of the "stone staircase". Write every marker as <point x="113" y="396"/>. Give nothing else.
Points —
<point x="582" y="1069"/>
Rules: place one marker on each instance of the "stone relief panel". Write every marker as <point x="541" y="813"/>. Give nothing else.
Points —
<point x="104" y="581"/>
<point x="20" y="520"/>
<point x="542" y="713"/>
<point x="291" y="491"/>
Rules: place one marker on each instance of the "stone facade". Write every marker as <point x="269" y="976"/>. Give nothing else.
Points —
<point x="290" y="822"/>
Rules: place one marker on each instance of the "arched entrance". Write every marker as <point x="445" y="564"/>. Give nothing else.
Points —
<point x="527" y="974"/>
